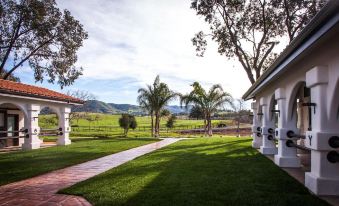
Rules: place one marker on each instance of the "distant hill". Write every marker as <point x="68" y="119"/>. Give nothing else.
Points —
<point x="129" y="108"/>
<point x="96" y="106"/>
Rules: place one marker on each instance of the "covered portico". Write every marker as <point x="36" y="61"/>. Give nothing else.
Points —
<point x="296" y="104"/>
<point x="20" y="105"/>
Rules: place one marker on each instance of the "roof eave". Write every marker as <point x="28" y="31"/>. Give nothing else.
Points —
<point x="38" y="97"/>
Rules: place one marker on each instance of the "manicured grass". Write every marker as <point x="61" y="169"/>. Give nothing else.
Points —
<point x="21" y="165"/>
<point x="205" y="171"/>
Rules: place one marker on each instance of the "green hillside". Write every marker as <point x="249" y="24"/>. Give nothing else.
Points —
<point x="95" y="106"/>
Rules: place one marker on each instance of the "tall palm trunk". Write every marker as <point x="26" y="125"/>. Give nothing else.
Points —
<point x="238" y="124"/>
<point x="152" y="124"/>
<point x="209" y="122"/>
<point x="158" y="125"/>
<point x="205" y="125"/>
<point x="157" y="120"/>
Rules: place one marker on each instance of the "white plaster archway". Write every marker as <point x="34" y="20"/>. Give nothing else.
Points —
<point x="271" y="106"/>
<point x="334" y="104"/>
<point x="21" y="106"/>
<point x="291" y="106"/>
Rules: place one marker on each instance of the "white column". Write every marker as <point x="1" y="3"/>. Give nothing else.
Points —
<point x="324" y="176"/>
<point x="267" y="129"/>
<point x="32" y="140"/>
<point x="64" y="125"/>
<point x="287" y="156"/>
<point x="256" y="127"/>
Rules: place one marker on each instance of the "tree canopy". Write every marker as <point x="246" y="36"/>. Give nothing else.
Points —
<point x="208" y="101"/>
<point x="249" y="30"/>
<point x="154" y="98"/>
<point x="38" y="34"/>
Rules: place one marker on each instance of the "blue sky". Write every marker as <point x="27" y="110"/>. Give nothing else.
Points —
<point x="130" y="42"/>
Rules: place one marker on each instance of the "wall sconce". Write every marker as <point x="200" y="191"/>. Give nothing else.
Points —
<point x="276" y="111"/>
<point x="310" y="105"/>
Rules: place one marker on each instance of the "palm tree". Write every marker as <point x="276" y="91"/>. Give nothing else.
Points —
<point x="209" y="102"/>
<point x="153" y="99"/>
<point x="145" y="104"/>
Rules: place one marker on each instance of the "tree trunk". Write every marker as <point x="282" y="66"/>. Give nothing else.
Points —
<point x="156" y="124"/>
<point x="210" y="132"/>
<point x="152" y="124"/>
<point x="126" y="132"/>
<point x="205" y="124"/>
<point x="238" y="129"/>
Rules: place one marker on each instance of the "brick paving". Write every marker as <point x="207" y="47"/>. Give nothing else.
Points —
<point x="41" y="190"/>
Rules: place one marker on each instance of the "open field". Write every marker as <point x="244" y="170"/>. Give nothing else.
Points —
<point x="112" y="120"/>
<point x="107" y="125"/>
<point x="204" y="171"/>
<point x="24" y="164"/>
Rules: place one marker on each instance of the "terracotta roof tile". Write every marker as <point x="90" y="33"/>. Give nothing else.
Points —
<point x="20" y="89"/>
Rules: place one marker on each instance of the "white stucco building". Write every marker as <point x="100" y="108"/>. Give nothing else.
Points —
<point x="296" y="104"/>
<point x="20" y="105"/>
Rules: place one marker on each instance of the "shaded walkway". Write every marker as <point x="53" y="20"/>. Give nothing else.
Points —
<point x="41" y="190"/>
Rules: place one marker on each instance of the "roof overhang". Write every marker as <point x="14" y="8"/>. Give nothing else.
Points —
<point x="323" y="22"/>
<point x="36" y="98"/>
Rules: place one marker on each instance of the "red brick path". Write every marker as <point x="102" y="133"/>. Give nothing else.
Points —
<point x="41" y="190"/>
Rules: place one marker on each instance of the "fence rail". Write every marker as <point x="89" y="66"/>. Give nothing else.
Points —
<point x="177" y="128"/>
<point x="138" y="129"/>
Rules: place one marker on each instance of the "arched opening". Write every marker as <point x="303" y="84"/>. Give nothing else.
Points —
<point x="300" y="117"/>
<point x="260" y="113"/>
<point x="273" y="108"/>
<point x="299" y="113"/>
<point x="334" y="107"/>
<point x="49" y="124"/>
<point x="12" y="123"/>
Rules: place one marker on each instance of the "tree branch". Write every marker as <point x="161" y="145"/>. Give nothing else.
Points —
<point x="27" y="57"/>
<point x="13" y="38"/>
<point x="264" y="57"/>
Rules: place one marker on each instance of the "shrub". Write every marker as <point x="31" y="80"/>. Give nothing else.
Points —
<point x="127" y="121"/>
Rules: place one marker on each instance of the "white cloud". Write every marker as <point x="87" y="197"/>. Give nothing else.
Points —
<point x="140" y="39"/>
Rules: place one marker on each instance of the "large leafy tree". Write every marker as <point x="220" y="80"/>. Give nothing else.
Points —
<point x="208" y="101"/>
<point x="38" y="34"/>
<point x="154" y="98"/>
<point x="249" y="30"/>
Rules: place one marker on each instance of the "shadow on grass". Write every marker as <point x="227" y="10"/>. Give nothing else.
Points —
<point x="197" y="172"/>
<point x="24" y="164"/>
<point x="117" y="138"/>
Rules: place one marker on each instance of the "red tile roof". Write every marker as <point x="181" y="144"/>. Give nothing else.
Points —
<point x="19" y="89"/>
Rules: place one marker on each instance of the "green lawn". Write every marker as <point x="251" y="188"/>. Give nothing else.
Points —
<point x="205" y="171"/>
<point x="24" y="164"/>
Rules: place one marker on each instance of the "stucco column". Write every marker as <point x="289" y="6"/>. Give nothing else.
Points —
<point x="64" y="125"/>
<point x="267" y="130"/>
<point x="324" y="176"/>
<point x="256" y="127"/>
<point x="287" y="156"/>
<point x="32" y="140"/>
